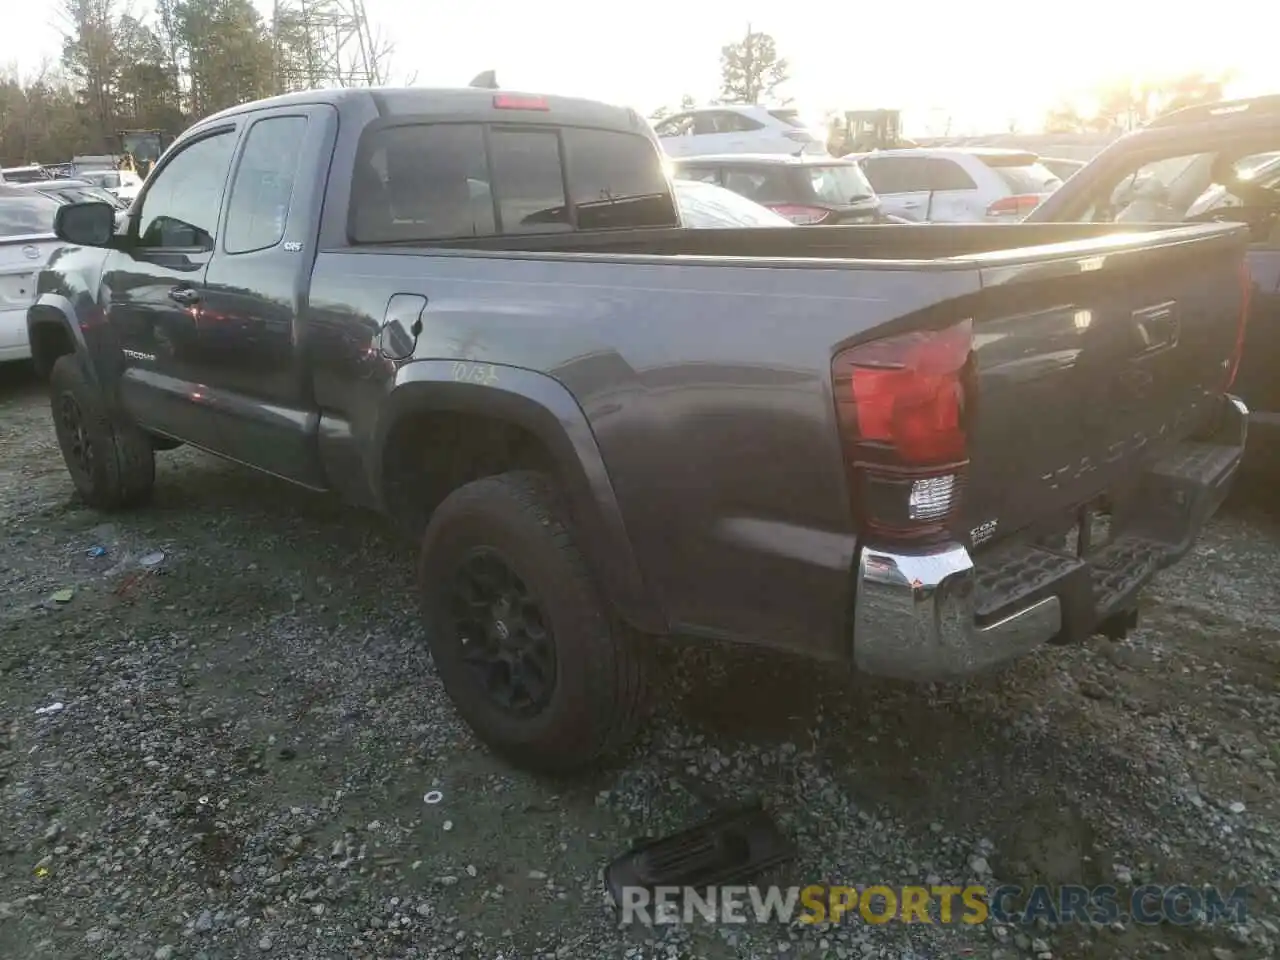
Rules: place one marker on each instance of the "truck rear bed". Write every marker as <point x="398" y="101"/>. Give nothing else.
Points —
<point x="704" y="363"/>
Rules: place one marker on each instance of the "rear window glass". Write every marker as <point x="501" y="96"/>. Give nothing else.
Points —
<point x="1021" y="176"/>
<point x="914" y="174"/>
<point x="705" y="174"/>
<point x="704" y="205"/>
<point x="789" y="117"/>
<point x="529" y="176"/>
<point x="26" y="216"/>
<point x="25" y="175"/>
<point x="109" y="180"/>
<point x="439" y="182"/>
<point x="839" y="183"/>
<point x="771" y="184"/>
<point x="794" y="118"/>
<point x="616" y="180"/>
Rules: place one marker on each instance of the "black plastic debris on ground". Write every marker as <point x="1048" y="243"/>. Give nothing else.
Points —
<point x="729" y="848"/>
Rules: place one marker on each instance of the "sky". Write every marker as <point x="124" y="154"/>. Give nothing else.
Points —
<point x="981" y="64"/>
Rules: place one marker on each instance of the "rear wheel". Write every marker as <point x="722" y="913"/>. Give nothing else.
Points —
<point x="112" y="465"/>
<point x="519" y="633"/>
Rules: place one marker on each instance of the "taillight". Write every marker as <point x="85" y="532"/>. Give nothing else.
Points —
<point x="1246" y="294"/>
<point x="902" y="404"/>
<point x="512" y="101"/>
<point x="1015" y="206"/>
<point x="804" y="216"/>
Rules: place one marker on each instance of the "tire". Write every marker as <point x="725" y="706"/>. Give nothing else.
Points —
<point x="120" y="470"/>
<point x="599" y="696"/>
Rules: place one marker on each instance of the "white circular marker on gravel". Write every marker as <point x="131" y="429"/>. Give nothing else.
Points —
<point x="433" y="796"/>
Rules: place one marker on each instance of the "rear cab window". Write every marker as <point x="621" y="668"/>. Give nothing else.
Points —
<point x="450" y="181"/>
<point x="613" y="184"/>
<point x="1022" y="173"/>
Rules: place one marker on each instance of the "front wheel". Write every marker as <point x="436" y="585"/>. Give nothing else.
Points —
<point x="523" y="642"/>
<point x="112" y="465"/>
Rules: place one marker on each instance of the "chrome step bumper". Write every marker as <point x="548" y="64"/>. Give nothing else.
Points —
<point x="935" y="614"/>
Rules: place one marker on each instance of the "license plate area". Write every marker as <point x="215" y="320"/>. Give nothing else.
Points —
<point x="1091" y="531"/>
<point x="1081" y="533"/>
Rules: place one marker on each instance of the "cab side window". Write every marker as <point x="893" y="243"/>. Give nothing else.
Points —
<point x="181" y="206"/>
<point x="258" y="207"/>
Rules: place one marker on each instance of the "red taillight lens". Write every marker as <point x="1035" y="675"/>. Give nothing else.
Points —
<point x="902" y="404"/>
<point x="1246" y="294"/>
<point x="1016" y="206"/>
<point x="511" y="101"/>
<point x="804" y="216"/>
<point x="908" y="392"/>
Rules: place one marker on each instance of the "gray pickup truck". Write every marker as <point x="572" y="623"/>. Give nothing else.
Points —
<point x="922" y="449"/>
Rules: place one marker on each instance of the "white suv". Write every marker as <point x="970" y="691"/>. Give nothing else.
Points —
<point x="956" y="185"/>
<point x="733" y="128"/>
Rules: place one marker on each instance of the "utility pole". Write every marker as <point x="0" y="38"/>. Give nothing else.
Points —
<point x="326" y="43"/>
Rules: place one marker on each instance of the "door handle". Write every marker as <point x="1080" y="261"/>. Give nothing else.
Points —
<point x="185" y="295"/>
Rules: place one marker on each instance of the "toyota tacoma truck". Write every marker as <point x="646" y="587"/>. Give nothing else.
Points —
<point x="924" y="450"/>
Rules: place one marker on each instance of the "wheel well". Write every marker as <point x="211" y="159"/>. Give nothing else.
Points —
<point x="428" y="455"/>
<point x="49" y="341"/>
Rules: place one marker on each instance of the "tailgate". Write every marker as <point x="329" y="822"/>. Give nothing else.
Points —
<point x="1092" y="359"/>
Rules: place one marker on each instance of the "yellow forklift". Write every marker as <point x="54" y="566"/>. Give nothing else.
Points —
<point x="140" y="149"/>
<point x="865" y="130"/>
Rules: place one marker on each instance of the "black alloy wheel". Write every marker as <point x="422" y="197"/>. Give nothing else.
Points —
<point x="503" y="633"/>
<point x="80" y="449"/>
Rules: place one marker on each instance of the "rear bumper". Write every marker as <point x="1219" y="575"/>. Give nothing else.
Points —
<point x="940" y="615"/>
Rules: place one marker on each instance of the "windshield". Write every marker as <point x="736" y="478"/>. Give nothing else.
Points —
<point x="704" y="205"/>
<point x="1024" y="175"/>
<point x="26" y="216"/>
<point x="839" y="183"/>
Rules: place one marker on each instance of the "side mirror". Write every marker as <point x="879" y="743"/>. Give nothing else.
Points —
<point x="89" y="224"/>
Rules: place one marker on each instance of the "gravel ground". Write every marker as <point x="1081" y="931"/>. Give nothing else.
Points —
<point x="249" y="728"/>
